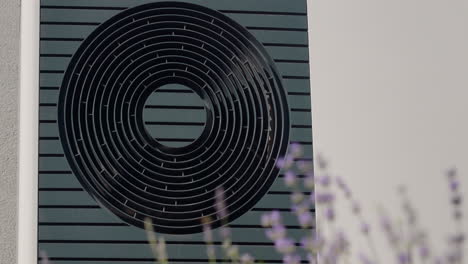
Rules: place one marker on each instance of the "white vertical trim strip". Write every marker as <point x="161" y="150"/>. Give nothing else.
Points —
<point x="28" y="132"/>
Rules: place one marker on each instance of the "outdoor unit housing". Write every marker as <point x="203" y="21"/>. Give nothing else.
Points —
<point x="146" y="108"/>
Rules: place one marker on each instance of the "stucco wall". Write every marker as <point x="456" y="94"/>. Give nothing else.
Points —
<point x="389" y="105"/>
<point x="9" y="56"/>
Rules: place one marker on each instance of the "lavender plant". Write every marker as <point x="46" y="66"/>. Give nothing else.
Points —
<point x="315" y="246"/>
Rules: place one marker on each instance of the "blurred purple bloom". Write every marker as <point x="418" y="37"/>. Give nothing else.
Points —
<point x="290" y="179"/>
<point x="323" y="180"/>
<point x="297" y="197"/>
<point x="295" y="149"/>
<point x="292" y="259"/>
<point x="285" y="162"/>
<point x="300" y="208"/>
<point x="424" y="252"/>
<point x="312" y="197"/>
<point x="389" y="231"/>
<point x="304" y="166"/>
<point x="356" y="208"/>
<point x="275" y="217"/>
<point x="309" y="181"/>
<point x="324" y="197"/>
<point x="285" y="245"/>
<point x="365" y="228"/>
<point x="225" y="232"/>
<point x="207" y="234"/>
<point x="330" y="214"/>
<point x="220" y="203"/>
<point x="454" y="185"/>
<point x="403" y="258"/>
<point x="276" y="232"/>
<point x="305" y="219"/>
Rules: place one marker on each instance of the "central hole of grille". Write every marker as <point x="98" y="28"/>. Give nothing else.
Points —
<point x="174" y="115"/>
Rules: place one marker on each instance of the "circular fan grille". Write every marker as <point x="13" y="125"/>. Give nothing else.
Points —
<point x="102" y="100"/>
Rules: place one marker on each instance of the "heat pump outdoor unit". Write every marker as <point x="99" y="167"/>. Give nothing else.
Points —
<point x="147" y="109"/>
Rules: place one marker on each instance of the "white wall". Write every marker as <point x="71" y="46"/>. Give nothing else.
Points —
<point x="390" y="100"/>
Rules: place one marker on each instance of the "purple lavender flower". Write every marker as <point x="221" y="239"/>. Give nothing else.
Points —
<point x="309" y="181"/>
<point x="365" y="228"/>
<point x="285" y="245"/>
<point x="220" y="203"/>
<point x="403" y="258"/>
<point x="454" y="184"/>
<point x="424" y="252"/>
<point x="290" y="179"/>
<point x="356" y="208"/>
<point x="276" y="232"/>
<point x="285" y="162"/>
<point x="266" y="220"/>
<point x="304" y="166"/>
<point x="292" y="259"/>
<point x="330" y="213"/>
<point x="297" y="197"/>
<point x="305" y="219"/>
<point x="207" y="234"/>
<point x="295" y="149"/>
<point x="312" y="197"/>
<point x="324" y="197"/>
<point x="323" y="180"/>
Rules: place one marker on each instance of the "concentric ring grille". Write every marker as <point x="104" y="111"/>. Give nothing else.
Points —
<point x="102" y="129"/>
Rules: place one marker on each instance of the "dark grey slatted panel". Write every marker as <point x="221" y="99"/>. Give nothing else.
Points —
<point x="279" y="25"/>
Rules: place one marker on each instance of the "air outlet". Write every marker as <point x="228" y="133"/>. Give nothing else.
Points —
<point x="166" y="102"/>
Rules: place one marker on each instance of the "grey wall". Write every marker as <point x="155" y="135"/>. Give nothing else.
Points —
<point x="9" y="56"/>
<point x="389" y="91"/>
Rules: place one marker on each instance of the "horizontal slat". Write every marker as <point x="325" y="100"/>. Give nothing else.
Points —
<point x="130" y="233"/>
<point x="297" y="134"/>
<point x="60" y="64"/>
<point x="63" y="215"/>
<point x="82" y="198"/>
<point x="144" y="261"/>
<point x="184" y="99"/>
<point x="54" y="146"/>
<point x="88" y="16"/>
<point x="297" y="6"/>
<point x="142" y="251"/>
<point x="69" y="181"/>
<point x="291" y="85"/>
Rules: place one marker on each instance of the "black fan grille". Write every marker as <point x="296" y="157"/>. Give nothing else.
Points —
<point x="103" y="133"/>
